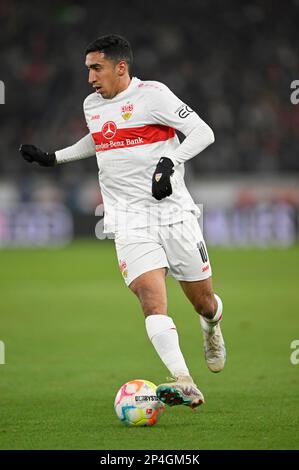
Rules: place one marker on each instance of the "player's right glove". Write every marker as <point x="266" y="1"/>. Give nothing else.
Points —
<point x="33" y="154"/>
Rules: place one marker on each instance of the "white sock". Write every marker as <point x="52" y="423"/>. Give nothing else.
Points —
<point x="163" y="334"/>
<point x="210" y="322"/>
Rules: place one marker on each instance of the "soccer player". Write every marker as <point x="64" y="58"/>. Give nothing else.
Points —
<point x="132" y="126"/>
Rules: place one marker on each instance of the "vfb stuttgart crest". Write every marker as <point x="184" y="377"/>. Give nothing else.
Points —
<point x="123" y="268"/>
<point x="127" y="110"/>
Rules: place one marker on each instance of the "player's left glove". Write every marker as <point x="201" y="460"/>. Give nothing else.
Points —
<point x="161" y="185"/>
<point x="33" y="154"/>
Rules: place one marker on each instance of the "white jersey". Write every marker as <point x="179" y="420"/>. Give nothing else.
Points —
<point x="131" y="132"/>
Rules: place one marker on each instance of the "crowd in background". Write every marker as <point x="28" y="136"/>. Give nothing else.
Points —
<point x="232" y="62"/>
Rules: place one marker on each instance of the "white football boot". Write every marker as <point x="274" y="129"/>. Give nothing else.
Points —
<point x="214" y="347"/>
<point x="182" y="391"/>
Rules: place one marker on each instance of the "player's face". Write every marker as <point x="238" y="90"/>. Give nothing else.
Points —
<point x="104" y="74"/>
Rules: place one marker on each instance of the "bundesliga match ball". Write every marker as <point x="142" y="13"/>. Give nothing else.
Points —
<point x="136" y="403"/>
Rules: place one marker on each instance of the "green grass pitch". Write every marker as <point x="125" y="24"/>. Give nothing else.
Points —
<point x="74" y="333"/>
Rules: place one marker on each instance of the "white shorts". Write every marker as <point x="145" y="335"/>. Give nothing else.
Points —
<point x="179" y="247"/>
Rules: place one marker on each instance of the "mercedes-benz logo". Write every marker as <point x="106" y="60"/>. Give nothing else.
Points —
<point x="109" y="130"/>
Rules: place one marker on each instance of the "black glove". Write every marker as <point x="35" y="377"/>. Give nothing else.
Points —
<point x="161" y="185"/>
<point x="33" y="154"/>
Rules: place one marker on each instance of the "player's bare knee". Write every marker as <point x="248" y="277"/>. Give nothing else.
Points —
<point x="206" y="306"/>
<point x="153" y="305"/>
<point x="151" y="302"/>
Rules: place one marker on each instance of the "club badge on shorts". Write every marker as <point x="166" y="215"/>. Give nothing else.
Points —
<point x="123" y="268"/>
<point x="158" y="177"/>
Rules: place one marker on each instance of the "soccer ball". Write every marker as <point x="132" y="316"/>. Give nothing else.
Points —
<point x="136" y="403"/>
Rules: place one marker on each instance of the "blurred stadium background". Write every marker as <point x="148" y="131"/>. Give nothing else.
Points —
<point x="232" y="63"/>
<point x="67" y="345"/>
